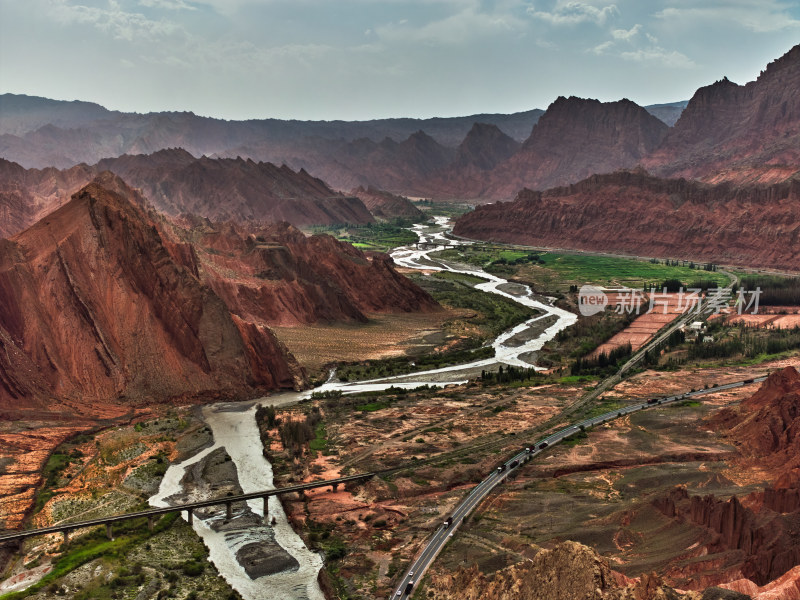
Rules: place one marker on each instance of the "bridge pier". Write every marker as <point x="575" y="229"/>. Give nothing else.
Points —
<point x="228" y="511"/>
<point x="302" y="494"/>
<point x="65" y="533"/>
<point x="109" y="531"/>
<point x="334" y="487"/>
<point x="266" y="509"/>
<point x="151" y="522"/>
<point x="190" y="516"/>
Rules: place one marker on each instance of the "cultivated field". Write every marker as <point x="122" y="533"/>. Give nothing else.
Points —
<point x="667" y="308"/>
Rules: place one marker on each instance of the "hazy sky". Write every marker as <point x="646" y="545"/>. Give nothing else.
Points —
<point x="362" y="59"/>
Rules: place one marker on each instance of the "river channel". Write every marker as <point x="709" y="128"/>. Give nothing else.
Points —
<point x="271" y="561"/>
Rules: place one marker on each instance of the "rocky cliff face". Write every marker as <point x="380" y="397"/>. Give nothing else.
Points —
<point x="766" y="426"/>
<point x="96" y="310"/>
<point x="738" y="133"/>
<point x="752" y="543"/>
<point x="26" y="195"/>
<point x="632" y="212"/>
<point x="576" y="138"/>
<point x="570" y="571"/>
<point x="278" y="276"/>
<point x="573" y="139"/>
<point x="235" y="189"/>
<point x="175" y="182"/>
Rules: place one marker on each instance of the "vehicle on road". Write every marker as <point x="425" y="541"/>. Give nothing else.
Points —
<point x="652" y="400"/>
<point x="447" y="523"/>
<point x="501" y="468"/>
<point x="542" y="445"/>
<point x="513" y="464"/>
<point x="409" y="587"/>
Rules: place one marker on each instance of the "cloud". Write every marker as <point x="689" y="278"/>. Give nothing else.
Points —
<point x="601" y="48"/>
<point x="114" y="20"/>
<point x="759" y="16"/>
<point x="573" y="13"/>
<point x="462" y="27"/>
<point x="167" y="4"/>
<point x="661" y="56"/>
<point x="627" y="34"/>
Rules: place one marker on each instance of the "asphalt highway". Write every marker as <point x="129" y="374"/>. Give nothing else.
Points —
<point x="445" y="531"/>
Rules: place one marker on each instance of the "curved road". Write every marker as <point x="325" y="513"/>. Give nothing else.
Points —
<point x="445" y="531"/>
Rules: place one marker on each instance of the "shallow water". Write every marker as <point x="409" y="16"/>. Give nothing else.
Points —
<point x="235" y="430"/>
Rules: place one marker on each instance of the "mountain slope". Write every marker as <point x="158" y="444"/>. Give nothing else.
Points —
<point x="234" y="189"/>
<point x="387" y="206"/>
<point x="576" y="138"/>
<point x="633" y="212"/>
<point x="728" y="132"/>
<point x="278" y="276"/>
<point x="96" y="310"/>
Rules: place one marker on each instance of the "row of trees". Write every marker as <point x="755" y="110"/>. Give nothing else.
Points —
<point x="711" y="267"/>
<point x="509" y="374"/>
<point x="775" y="291"/>
<point x="748" y="345"/>
<point x="602" y="363"/>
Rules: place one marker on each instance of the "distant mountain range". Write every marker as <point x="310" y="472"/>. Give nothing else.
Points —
<point x="726" y="134"/>
<point x="400" y="155"/>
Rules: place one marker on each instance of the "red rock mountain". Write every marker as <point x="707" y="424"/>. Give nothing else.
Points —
<point x="766" y="426"/>
<point x="96" y="310"/>
<point x="484" y="148"/>
<point x="573" y="139"/>
<point x="175" y="182"/>
<point x="387" y="206"/>
<point x="278" y="276"/>
<point x="751" y="544"/>
<point x="576" y="138"/>
<point x="235" y="189"/>
<point x="26" y="195"/>
<point x="635" y="213"/>
<point x="730" y="132"/>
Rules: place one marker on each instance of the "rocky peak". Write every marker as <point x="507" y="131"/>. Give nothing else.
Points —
<point x="485" y="147"/>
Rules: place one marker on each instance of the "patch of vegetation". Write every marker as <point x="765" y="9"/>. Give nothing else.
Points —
<point x="372" y="406"/>
<point x="496" y="314"/>
<point x="604" y="363"/>
<point x="443" y="209"/>
<point x="400" y="365"/>
<point x="94" y="545"/>
<point x="607" y="270"/>
<point x="381" y="237"/>
<point x="775" y="290"/>
<point x="320" y="442"/>
<point x="749" y="344"/>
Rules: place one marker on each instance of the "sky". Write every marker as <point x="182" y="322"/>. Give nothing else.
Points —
<point x="366" y="59"/>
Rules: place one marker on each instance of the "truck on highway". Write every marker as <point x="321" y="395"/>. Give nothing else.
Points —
<point x="409" y="587"/>
<point x="448" y="521"/>
<point x="513" y="464"/>
<point x="501" y="468"/>
<point x="652" y="400"/>
<point x="543" y="445"/>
